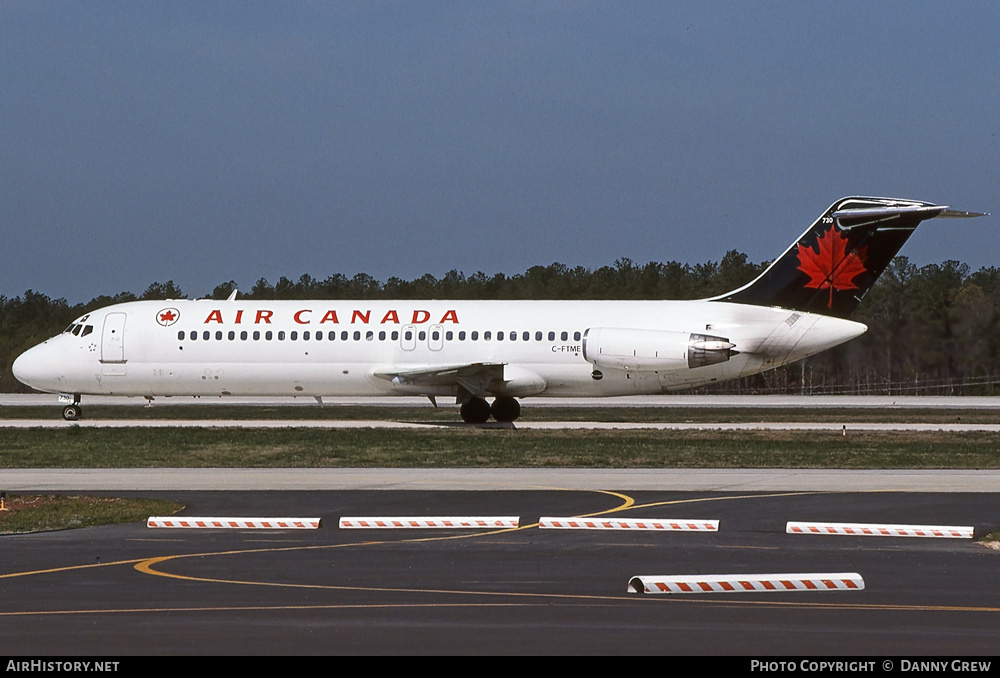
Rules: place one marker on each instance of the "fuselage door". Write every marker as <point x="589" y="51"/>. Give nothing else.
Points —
<point x="113" y="344"/>
<point x="435" y="338"/>
<point x="408" y="338"/>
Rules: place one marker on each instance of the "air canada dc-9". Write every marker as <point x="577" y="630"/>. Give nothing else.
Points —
<point x="486" y="354"/>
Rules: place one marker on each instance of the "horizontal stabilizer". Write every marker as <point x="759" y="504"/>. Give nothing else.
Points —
<point x="957" y="214"/>
<point x="874" y="214"/>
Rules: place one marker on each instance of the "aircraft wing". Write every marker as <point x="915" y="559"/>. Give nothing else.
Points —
<point x="478" y="379"/>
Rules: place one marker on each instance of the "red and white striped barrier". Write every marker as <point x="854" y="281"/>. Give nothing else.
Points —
<point x="622" y="524"/>
<point x="741" y="583"/>
<point x="433" y="522"/>
<point x="877" y="530"/>
<point x="234" y="523"/>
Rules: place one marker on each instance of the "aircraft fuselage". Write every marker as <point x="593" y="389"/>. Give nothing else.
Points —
<point x="344" y="348"/>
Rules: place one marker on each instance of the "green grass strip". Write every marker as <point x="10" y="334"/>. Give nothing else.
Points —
<point x="40" y="513"/>
<point x="82" y="447"/>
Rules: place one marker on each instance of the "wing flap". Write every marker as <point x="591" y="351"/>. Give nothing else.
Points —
<point x="478" y="379"/>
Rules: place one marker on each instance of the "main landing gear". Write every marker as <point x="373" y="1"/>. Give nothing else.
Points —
<point x="478" y="411"/>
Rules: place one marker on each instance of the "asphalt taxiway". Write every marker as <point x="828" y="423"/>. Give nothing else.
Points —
<point x="127" y="589"/>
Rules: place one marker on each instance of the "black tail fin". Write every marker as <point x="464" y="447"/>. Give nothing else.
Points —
<point x="833" y="265"/>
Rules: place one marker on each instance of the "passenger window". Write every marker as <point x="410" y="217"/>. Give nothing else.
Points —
<point x="499" y="336"/>
<point x="475" y="335"/>
<point x="281" y="335"/>
<point x="180" y="335"/>
<point x="305" y="335"/>
<point x="232" y="335"/>
<point x="218" y="335"/>
<point x="332" y="336"/>
<point x="449" y="335"/>
<point x="343" y="335"/>
<point x="422" y="335"/>
<point x="395" y="335"/>
<point x="408" y="335"/>
<point x="576" y="336"/>
<point x="357" y="335"/>
<point x="206" y="335"/>
<point x="269" y="335"/>
<point x="461" y="335"/>
<point x="487" y="335"/>
<point x="552" y="336"/>
<point x="381" y="335"/>
<point x="294" y="336"/>
<point x="256" y="335"/>
<point x="435" y="335"/>
<point x="564" y="336"/>
<point x="194" y="335"/>
<point x="527" y="336"/>
<point x="369" y="335"/>
<point x="538" y="336"/>
<point x="513" y="335"/>
<point x="243" y="335"/>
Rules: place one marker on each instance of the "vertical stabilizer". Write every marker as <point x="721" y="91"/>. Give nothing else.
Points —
<point x="831" y="267"/>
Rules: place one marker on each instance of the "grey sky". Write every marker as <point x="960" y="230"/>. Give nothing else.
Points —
<point x="202" y="142"/>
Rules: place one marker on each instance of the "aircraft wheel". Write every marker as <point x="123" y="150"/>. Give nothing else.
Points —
<point x="475" y="411"/>
<point x="72" y="412"/>
<point x="505" y="408"/>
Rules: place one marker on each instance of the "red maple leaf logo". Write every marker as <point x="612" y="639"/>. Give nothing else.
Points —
<point x="832" y="266"/>
<point x="167" y="316"/>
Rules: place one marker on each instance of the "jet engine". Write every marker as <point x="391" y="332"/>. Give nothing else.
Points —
<point x="626" y="349"/>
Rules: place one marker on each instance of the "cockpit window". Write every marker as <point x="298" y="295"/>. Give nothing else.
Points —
<point x="87" y="330"/>
<point x="76" y="330"/>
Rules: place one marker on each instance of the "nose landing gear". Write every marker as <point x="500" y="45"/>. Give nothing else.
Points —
<point x="73" y="411"/>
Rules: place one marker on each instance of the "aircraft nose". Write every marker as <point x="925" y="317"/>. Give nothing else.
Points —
<point x="32" y="368"/>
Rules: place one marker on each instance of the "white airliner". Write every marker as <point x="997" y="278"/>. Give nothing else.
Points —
<point x="471" y="350"/>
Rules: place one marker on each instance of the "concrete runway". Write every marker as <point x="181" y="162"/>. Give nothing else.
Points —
<point x="681" y="400"/>
<point x="526" y="425"/>
<point x="128" y="590"/>
<point x="701" y="480"/>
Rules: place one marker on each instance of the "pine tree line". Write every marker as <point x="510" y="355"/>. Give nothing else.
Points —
<point x="932" y="330"/>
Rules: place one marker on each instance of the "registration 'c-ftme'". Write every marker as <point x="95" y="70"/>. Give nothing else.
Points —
<point x="474" y="350"/>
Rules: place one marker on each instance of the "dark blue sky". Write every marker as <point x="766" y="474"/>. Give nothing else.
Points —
<point x="201" y="142"/>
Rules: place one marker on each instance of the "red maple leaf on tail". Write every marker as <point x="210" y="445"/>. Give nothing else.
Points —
<point x="832" y="266"/>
